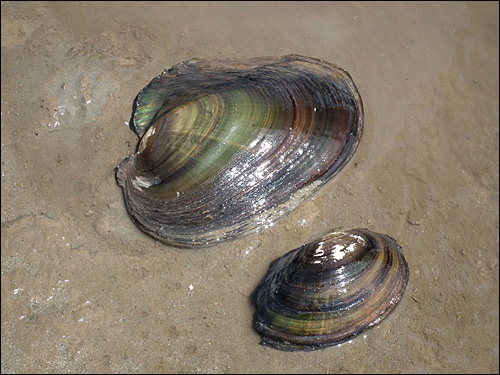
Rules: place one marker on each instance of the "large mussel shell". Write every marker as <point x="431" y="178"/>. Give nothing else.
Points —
<point x="326" y="292"/>
<point x="229" y="146"/>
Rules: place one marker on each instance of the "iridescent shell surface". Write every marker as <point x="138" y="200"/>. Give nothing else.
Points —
<point x="229" y="146"/>
<point x="326" y="292"/>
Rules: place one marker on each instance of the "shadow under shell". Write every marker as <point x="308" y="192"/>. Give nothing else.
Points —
<point x="230" y="146"/>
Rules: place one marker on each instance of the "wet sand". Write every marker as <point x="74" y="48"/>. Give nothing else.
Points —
<point x="84" y="290"/>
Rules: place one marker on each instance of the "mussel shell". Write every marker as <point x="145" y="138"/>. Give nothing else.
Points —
<point x="229" y="146"/>
<point x="326" y="292"/>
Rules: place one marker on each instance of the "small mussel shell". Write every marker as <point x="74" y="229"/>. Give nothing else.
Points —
<point x="230" y="146"/>
<point x="326" y="292"/>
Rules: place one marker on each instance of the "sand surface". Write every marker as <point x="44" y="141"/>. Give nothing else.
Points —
<point x="84" y="290"/>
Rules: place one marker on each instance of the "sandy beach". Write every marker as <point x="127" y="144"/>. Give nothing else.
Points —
<point x="85" y="291"/>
